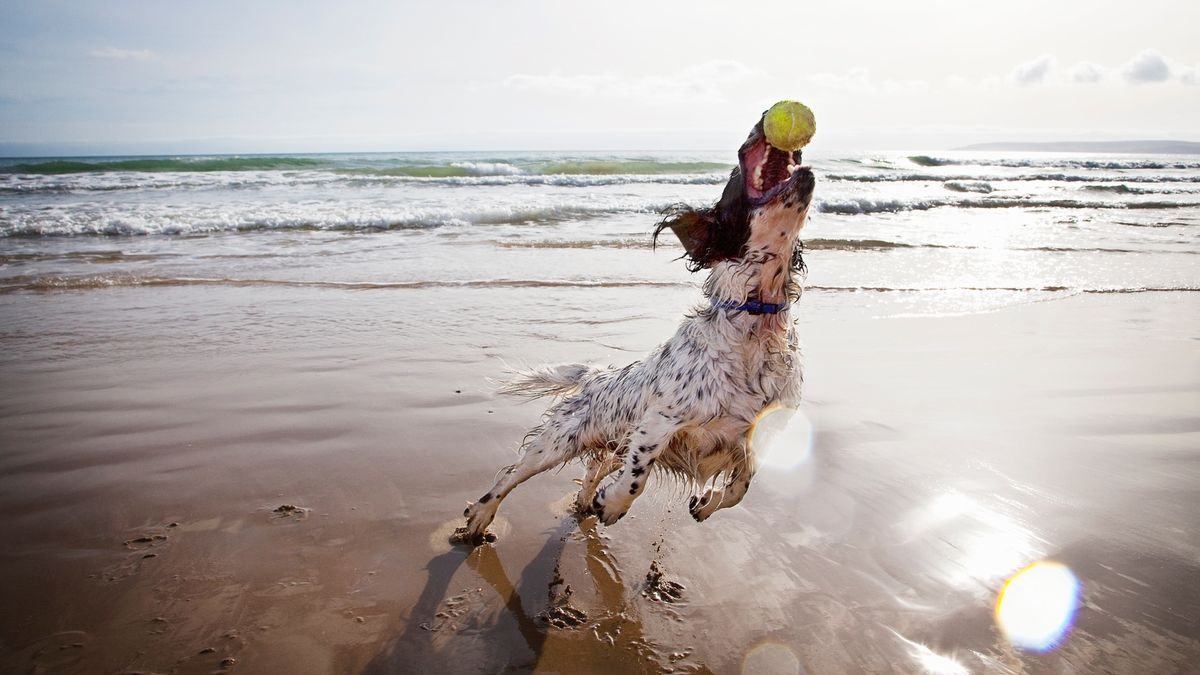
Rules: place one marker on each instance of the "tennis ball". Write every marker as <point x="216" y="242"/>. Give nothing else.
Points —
<point x="789" y="125"/>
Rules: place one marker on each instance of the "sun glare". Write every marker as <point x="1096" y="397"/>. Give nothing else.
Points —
<point x="930" y="661"/>
<point x="1037" y="606"/>
<point x="782" y="438"/>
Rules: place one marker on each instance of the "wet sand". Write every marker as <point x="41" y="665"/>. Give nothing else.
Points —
<point x="264" y="479"/>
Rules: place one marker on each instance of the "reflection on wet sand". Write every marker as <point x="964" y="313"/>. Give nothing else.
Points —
<point x="560" y="636"/>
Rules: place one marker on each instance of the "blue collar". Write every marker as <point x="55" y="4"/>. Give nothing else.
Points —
<point x="752" y="306"/>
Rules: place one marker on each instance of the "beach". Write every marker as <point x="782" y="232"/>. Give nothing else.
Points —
<point x="240" y="419"/>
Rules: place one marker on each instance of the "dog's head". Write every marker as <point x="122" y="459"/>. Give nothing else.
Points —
<point x="768" y="188"/>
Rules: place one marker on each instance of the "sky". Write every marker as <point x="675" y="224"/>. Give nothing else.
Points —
<point x="117" y="77"/>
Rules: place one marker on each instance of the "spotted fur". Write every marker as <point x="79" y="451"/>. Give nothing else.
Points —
<point x="686" y="409"/>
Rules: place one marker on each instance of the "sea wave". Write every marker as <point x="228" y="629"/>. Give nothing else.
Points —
<point x="50" y="283"/>
<point x="1123" y="164"/>
<point x="88" y="282"/>
<point x="560" y="180"/>
<point x="999" y="178"/>
<point x="150" y="219"/>
<point x="94" y="257"/>
<point x="598" y="168"/>
<point x="488" y="168"/>
<point x="159" y="165"/>
<point x="541" y="169"/>
<point x="395" y="166"/>
<point x="863" y="206"/>
<point x="84" y="183"/>
<point x="105" y="218"/>
<point x="978" y="186"/>
<point x="1123" y="189"/>
<point x="619" y="243"/>
<point x="1154" y="223"/>
<point x="83" y="176"/>
<point x="645" y="242"/>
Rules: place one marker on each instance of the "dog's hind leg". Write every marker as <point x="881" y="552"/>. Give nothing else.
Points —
<point x="714" y="499"/>
<point x="599" y="467"/>
<point x="646" y="443"/>
<point x="539" y="456"/>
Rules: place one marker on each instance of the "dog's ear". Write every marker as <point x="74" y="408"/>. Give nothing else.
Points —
<point x="713" y="234"/>
<point x="691" y="230"/>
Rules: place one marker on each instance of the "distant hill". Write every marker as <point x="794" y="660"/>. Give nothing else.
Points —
<point x="1139" y="147"/>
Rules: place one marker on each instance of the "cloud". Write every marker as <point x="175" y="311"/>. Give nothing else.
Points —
<point x="1033" y="72"/>
<point x="118" y="54"/>
<point x="1147" y="67"/>
<point x="859" y="81"/>
<point x="699" y="82"/>
<point x="1086" y="73"/>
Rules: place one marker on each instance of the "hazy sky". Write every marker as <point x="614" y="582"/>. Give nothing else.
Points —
<point x="246" y="76"/>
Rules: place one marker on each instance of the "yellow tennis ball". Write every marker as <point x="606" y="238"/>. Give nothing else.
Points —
<point x="789" y="125"/>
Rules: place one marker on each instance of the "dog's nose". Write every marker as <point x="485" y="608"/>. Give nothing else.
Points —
<point x="804" y="177"/>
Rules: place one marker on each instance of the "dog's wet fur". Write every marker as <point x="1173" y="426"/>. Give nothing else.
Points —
<point x="687" y="409"/>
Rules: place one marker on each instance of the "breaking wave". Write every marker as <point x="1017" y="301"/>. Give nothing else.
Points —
<point x="862" y="206"/>
<point x="162" y="219"/>
<point x="87" y="183"/>
<point x="149" y="219"/>
<point x="365" y="165"/>
<point x="968" y="186"/>
<point x="158" y="165"/>
<point x="1123" y="164"/>
<point x="1024" y="177"/>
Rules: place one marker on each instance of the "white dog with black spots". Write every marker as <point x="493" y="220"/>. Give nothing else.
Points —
<point x="688" y="408"/>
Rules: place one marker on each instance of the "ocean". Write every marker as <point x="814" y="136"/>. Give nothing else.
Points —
<point x="890" y="233"/>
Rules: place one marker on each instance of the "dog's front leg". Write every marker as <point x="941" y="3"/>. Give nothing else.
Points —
<point x="646" y="443"/>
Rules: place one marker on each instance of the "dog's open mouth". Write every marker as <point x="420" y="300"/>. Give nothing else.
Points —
<point x="766" y="179"/>
<point x="766" y="169"/>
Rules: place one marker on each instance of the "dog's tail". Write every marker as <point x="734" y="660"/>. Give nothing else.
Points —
<point x="547" y="381"/>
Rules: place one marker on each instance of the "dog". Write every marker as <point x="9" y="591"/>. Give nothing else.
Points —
<point x="688" y="408"/>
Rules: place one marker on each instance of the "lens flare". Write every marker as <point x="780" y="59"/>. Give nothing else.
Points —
<point x="781" y="438"/>
<point x="771" y="658"/>
<point x="1037" y="606"/>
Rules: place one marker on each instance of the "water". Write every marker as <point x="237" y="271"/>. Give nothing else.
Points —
<point x="929" y="233"/>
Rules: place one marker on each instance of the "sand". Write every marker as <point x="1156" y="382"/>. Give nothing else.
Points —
<point x="263" y="480"/>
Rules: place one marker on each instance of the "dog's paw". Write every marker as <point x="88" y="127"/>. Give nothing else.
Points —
<point x="703" y="506"/>
<point x="464" y="537"/>
<point x="605" y="512"/>
<point x="479" y="515"/>
<point x="611" y="517"/>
